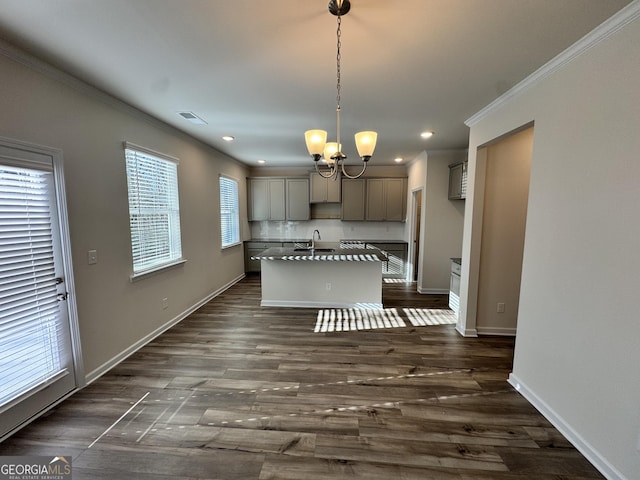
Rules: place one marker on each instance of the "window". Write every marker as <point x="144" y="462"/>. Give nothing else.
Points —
<point x="229" y="212"/>
<point x="154" y="212"/>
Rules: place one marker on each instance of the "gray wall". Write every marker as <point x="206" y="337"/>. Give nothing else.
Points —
<point x="442" y="219"/>
<point x="115" y="315"/>
<point x="506" y="192"/>
<point x="577" y="352"/>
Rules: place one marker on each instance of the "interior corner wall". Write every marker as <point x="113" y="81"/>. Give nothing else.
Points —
<point x="506" y="192"/>
<point x="417" y="179"/>
<point x="577" y="356"/>
<point x="443" y="222"/>
<point x="115" y="315"/>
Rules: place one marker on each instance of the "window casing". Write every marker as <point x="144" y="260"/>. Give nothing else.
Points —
<point x="154" y="210"/>
<point x="229" y="212"/>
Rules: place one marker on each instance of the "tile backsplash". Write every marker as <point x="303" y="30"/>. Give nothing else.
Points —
<point x="330" y="230"/>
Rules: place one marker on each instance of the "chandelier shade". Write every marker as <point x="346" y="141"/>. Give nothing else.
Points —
<point x="316" y="140"/>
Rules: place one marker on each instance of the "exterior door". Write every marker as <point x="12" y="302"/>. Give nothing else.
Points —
<point x="39" y="359"/>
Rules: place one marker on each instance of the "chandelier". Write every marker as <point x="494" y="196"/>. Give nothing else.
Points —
<point x="317" y="139"/>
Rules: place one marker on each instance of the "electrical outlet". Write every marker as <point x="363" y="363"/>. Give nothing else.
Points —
<point x="500" y="308"/>
<point x="165" y="303"/>
<point x="92" y="257"/>
<point x="328" y="286"/>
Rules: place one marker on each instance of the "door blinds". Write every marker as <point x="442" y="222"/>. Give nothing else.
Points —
<point x="30" y="329"/>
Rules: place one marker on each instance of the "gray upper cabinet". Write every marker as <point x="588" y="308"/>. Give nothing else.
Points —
<point x="386" y="199"/>
<point x="324" y="190"/>
<point x="458" y="181"/>
<point x="374" y="199"/>
<point x="278" y="199"/>
<point x="266" y="199"/>
<point x="297" y="199"/>
<point x="353" y="199"/>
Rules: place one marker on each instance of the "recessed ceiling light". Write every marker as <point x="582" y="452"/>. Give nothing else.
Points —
<point x="398" y="160"/>
<point x="262" y="161"/>
<point x="228" y="138"/>
<point x="427" y="134"/>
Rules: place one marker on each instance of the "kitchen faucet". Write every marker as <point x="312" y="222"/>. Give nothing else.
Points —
<point x="313" y="239"/>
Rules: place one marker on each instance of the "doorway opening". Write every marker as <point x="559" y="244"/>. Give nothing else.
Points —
<point x="414" y="272"/>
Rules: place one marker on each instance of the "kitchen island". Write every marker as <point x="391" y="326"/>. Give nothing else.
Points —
<point x="322" y="278"/>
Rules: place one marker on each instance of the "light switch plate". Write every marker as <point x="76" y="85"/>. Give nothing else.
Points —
<point x="92" y="257"/>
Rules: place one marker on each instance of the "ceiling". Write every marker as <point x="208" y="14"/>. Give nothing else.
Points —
<point x="265" y="71"/>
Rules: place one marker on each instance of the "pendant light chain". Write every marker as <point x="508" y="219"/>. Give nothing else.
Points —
<point x="338" y="57"/>
<point x="316" y="140"/>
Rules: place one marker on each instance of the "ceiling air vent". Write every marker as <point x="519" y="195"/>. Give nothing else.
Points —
<point x="192" y="117"/>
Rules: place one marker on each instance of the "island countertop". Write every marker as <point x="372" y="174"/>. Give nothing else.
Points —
<point x="322" y="254"/>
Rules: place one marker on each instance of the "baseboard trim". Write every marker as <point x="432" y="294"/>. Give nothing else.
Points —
<point x="466" y="332"/>
<point x="433" y="291"/>
<point x="105" y="367"/>
<point x="584" y="447"/>
<point x="504" y="332"/>
<point x="307" y="304"/>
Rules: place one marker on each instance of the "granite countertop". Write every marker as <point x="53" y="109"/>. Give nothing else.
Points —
<point x="306" y="240"/>
<point x="280" y="240"/>
<point x="360" y="240"/>
<point x="334" y="254"/>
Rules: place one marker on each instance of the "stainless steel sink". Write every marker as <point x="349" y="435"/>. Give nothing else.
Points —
<point x="315" y="250"/>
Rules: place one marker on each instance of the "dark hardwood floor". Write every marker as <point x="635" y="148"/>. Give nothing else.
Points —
<point x="237" y="391"/>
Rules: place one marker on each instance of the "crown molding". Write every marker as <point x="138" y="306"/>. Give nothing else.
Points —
<point x="607" y="28"/>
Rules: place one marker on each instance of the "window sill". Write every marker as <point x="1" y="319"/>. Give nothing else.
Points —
<point x="152" y="271"/>
<point x="231" y="245"/>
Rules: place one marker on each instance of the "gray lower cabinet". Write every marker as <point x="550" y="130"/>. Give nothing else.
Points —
<point x="454" y="287"/>
<point x="255" y="248"/>
<point x="397" y="254"/>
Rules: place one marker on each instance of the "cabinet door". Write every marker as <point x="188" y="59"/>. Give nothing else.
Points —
<point x="353" y="199"/>
<point x="277" y="206"/>
<point x="395" y="194"/>
<point x="266" y="199"/>
<point x="324" y="190"/>
<point x="376" y="203"/>
<point x="318" y="188"/>
<point x="334" y="189"/>
<point x="457" y="181"/>
<point x="258" y="199"/>
<point x="297" y="199"/>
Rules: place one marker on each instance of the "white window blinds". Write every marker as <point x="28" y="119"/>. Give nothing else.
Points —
<point x="154" y="212"/>
<point x="229" y="212"/>
<point x="30" y="328"/>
